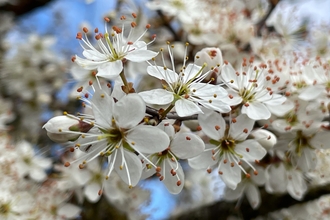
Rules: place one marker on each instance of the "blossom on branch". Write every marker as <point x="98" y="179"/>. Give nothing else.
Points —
<point x="114" y="48"/>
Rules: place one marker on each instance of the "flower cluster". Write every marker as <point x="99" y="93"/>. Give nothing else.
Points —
<point x="231" y="106"/>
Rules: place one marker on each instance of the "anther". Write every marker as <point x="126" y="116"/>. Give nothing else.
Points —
<point x="158" y="169"/>
<point x="148" y="26"/>
<point x="73" y="58"/>
<point x="85" y="29"/>
<point x="233" y="120"/>
<point x="247" y="175"/>
<point x="107" y="19"/>
<point x="178" y="183"/>
<point x="245" y="130"/>
<point x="96" y="30"/>
<point x="255" y="172"/>
<point x="100" y="192"/>
<point x="161" y="178"/>
<point x="188" y="138"/>
<point x="133" y="24"/>
<point x="209" y="170"/>
<point x="116" y="29"/>
<point x="67" y="164"/>
<point x="247" y="149"/>
<point x="217" y="127"/>
<point x="81" y="166"/>
<point x="134" y="15"/>
<point x="80" y="89"/>
<point x="232" y="164"/>
<point x="220" y="172"/>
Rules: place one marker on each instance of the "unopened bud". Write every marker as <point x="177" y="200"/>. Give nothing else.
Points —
<point x="264" y="137"/>
<point x="213" y="57"/>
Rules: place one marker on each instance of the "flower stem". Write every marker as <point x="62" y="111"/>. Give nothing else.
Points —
<point x="123" y="78"/>
<point x="164" y="113"/>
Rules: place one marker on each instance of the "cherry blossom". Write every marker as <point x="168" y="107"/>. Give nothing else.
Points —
<point x="114" y="48"/>
<point x="228" y="147"/>
<point x="185" y="89"/>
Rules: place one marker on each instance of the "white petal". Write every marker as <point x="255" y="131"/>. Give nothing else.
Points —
<point x="131" y="170"/>
<point x="140" y="55"/>
<point x="228" y="74"/>
<point x="102" y="105"/>
<point x="216" y="105"/>
<point x="44" y="163"/>
<point x="37" y="174"/>
<point x="311" y="93"/>
<point x="306" y="161"/>
<point x="167" y="128"/>
<point x="204" y="90"/>
<point x="276" y="100"/>
<point x="157" y="96"/>
<point x="91" y="192"/>
<point x="276" y="178"/>
<point x="237" y="129"/>
<point x="253" y="195"/>
<point x="110" y="70"/>
<point x="296" y="184"/>
<point x="255" y="150"/>
<point x="213" y="124"/>
<point x="168" y="75"/>
<point x="203" y="161"/>
<point x="94" y="55"/>
<point x="187" y="145"/>
<point x="259" y="179"/>
<point x="185" y="107"/>
<point x="88" y="64"/>
<point x="232" y="195"/>
<point x="266" y="138"/>
<point x="321" y="140"/>
<point x="129" y="111"/>
<point x="69" y="211"/>
<point x="231" y="176"/>
<point x="148" y="139"/>
<point x="170" y="181"/>
<point x="256" y="111"/>
<point x="192" y="71"/>
<point x="282" y="109"/>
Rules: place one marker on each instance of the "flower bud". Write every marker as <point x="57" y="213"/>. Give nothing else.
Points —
<point x="212" y="56"/>
<point x="62" y="128"/>
<point x="266" y="138"/>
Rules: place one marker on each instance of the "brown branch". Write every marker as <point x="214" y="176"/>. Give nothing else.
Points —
<point x="22" y="7"/>
<point x="170" y="115"/>
<point x="261" y="23"/>
<point x="270" y="203"/>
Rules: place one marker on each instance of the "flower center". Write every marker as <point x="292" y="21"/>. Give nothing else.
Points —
<point x="4" y="208"/>
<point x="246" y="95"/>
<point x="178" y="4"/>
<point x="114" y="135"/>
<point x="300" y="142"/>
<point x="291" y="118"/>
